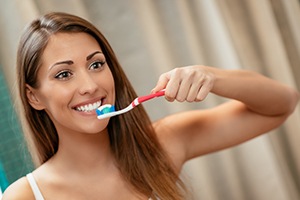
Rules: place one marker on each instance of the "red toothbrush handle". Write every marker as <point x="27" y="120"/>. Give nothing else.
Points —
<point x="151" y="96"/>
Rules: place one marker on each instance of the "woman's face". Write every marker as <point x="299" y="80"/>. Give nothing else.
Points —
<point x="74" y="79"/>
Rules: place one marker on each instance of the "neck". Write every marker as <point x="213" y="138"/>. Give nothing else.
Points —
<point x="84" y="152"/>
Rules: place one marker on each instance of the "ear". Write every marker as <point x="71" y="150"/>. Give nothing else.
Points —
<point x="33" y="99"/>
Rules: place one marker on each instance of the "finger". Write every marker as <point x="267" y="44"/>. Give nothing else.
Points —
<point x="183" y="90"/>
<point x="193" y="92"/>
<point x="173" y="85"/>
<point x="204" y="91"/>
<point x="196" y="81"/>
<point x="161" y="83"/>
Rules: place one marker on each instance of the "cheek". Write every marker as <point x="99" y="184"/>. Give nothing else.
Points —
<point x="53" y="96"/>
<point x="109" y="83"/>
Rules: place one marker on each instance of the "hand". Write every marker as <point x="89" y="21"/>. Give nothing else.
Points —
<point x="190" y="83"/>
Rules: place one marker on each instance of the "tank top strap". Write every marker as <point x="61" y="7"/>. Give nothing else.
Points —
<point x="35" y="189"/>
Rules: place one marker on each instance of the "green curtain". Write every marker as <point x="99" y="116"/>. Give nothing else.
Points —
<point x="3" y="179"/>
<point x="14" y="157"/>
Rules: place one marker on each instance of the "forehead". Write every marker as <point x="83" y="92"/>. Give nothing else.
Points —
<point x="69" y="45"/>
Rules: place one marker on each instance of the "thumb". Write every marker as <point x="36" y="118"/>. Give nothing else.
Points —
<point x="161" y="83"/>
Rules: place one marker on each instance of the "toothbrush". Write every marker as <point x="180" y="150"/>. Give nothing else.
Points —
<point x="108" y="110"/>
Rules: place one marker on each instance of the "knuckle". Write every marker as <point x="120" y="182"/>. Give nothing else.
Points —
<point x="200" y="98"/>
<point x="169" y="96"/>
<point x="177" y="71"/>
<point x="190" y="100"/>
<point x="169" y="99"/>
<point x="180" y="99"/>
<point x="162" y="76"/>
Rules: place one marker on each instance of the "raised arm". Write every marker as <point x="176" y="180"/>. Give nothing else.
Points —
<point x="258" y="105"/>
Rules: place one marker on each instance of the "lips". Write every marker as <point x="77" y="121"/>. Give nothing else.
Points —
<point x="88" y="107"/>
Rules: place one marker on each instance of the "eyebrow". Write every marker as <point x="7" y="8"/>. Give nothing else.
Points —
<point x="70" y="62"/>
<point x="92" y="54"/>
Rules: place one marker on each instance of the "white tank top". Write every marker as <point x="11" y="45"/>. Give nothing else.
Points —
<point x="35" y="189"/>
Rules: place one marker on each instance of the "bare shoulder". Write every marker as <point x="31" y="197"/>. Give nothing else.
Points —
<point x="19" y="190"/>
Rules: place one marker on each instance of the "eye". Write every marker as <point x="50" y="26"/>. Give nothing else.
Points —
<point x="96" y="65"/>
<point x="63" y="75"/>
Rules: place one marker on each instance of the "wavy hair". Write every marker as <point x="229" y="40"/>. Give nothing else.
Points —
<point x="140" y="158"/>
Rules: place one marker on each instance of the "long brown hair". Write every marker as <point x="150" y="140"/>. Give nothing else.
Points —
<point x="140" y="157"/>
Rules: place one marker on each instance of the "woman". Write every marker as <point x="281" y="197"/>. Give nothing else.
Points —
<point x="66" y="69"/>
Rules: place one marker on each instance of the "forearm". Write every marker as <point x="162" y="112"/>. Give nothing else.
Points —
<point x="258" y="93"/>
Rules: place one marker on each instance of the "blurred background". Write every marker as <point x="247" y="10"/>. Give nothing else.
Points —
<point x="153" y="36"/>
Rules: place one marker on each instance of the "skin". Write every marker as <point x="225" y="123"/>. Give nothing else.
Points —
<point x="84" y="152"/>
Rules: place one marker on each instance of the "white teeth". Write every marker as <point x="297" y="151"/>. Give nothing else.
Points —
<point x="89" y="107"/>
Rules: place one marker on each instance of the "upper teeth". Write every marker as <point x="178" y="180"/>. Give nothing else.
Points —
<point x="89" y="107"/>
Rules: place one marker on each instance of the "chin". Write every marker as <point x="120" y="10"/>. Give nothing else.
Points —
<point x="96" y="127"/>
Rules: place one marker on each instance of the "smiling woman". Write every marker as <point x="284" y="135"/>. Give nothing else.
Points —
<point x="64" y="65"/>
<point x="66" y="70"/>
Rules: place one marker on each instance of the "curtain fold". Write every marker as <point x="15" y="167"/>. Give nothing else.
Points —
<point x="152" y="37"/>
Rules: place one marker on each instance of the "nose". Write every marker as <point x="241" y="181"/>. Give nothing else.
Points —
<point x="87" y="84"/>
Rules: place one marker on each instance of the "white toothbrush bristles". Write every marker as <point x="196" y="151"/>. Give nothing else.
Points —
<point x="111" y="114"/>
